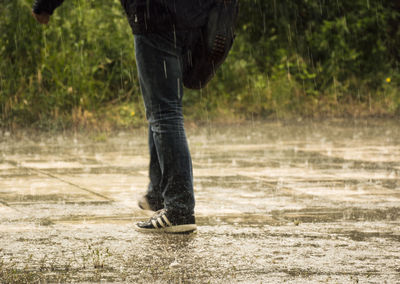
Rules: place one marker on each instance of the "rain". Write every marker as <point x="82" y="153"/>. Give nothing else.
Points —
<point x="294" y="145"/>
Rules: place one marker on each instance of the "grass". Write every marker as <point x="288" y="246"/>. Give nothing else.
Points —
<point x="79" y="72"/>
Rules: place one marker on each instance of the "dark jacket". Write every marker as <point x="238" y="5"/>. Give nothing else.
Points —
<point x="147" y="16"/>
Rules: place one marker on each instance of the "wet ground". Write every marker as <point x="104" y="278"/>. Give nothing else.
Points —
<point x="276" y="202"/>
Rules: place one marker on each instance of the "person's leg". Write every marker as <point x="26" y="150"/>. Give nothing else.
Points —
<point x="153" y="199"/>
<point x="158" y="59"/>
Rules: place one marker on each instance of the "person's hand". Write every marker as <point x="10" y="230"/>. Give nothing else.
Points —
<point x="42" y="18"/>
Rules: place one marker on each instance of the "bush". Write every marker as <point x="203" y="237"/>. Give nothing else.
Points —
<point x="83" y="60"/>
<point x="290" y="58"/>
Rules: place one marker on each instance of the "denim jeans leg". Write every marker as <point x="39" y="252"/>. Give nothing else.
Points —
<point x="158" y="59"/>
<point x="154" y="193"/>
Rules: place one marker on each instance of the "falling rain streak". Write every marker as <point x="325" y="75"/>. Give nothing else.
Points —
<point x="165" y="69"/>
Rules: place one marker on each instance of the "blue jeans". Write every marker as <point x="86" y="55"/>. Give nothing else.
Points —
<point x="159" y="60"/>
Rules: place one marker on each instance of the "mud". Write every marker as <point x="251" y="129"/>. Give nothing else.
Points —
<point x="276" y="202"/>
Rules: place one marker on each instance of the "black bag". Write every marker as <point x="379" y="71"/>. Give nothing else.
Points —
<point x="211" y="50"/>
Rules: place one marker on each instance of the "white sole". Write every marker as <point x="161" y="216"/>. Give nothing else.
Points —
<point x="170" y="230"/>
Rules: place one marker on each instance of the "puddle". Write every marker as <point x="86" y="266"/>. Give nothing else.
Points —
<point x="275" y="202"/>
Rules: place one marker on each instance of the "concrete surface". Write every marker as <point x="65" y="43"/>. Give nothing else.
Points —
<point x="276" y="202"/>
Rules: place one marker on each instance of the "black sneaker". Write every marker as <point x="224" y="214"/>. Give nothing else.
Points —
<point x="164" y="222"/>
<point x="144" y="204"/>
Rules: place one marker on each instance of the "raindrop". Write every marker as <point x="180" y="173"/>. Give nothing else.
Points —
<point x="165" y="69"/>
<point x="174" y="264"/>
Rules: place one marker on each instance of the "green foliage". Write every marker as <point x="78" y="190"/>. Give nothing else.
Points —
<point x="308" y="58"/>
<point x="83" y="60"/>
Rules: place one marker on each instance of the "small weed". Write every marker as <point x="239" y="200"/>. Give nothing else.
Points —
<point x="98" y="256"/>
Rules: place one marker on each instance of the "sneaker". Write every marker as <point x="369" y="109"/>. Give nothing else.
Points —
<point x="144" y="204"/>
<point x="164" y="222"/>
